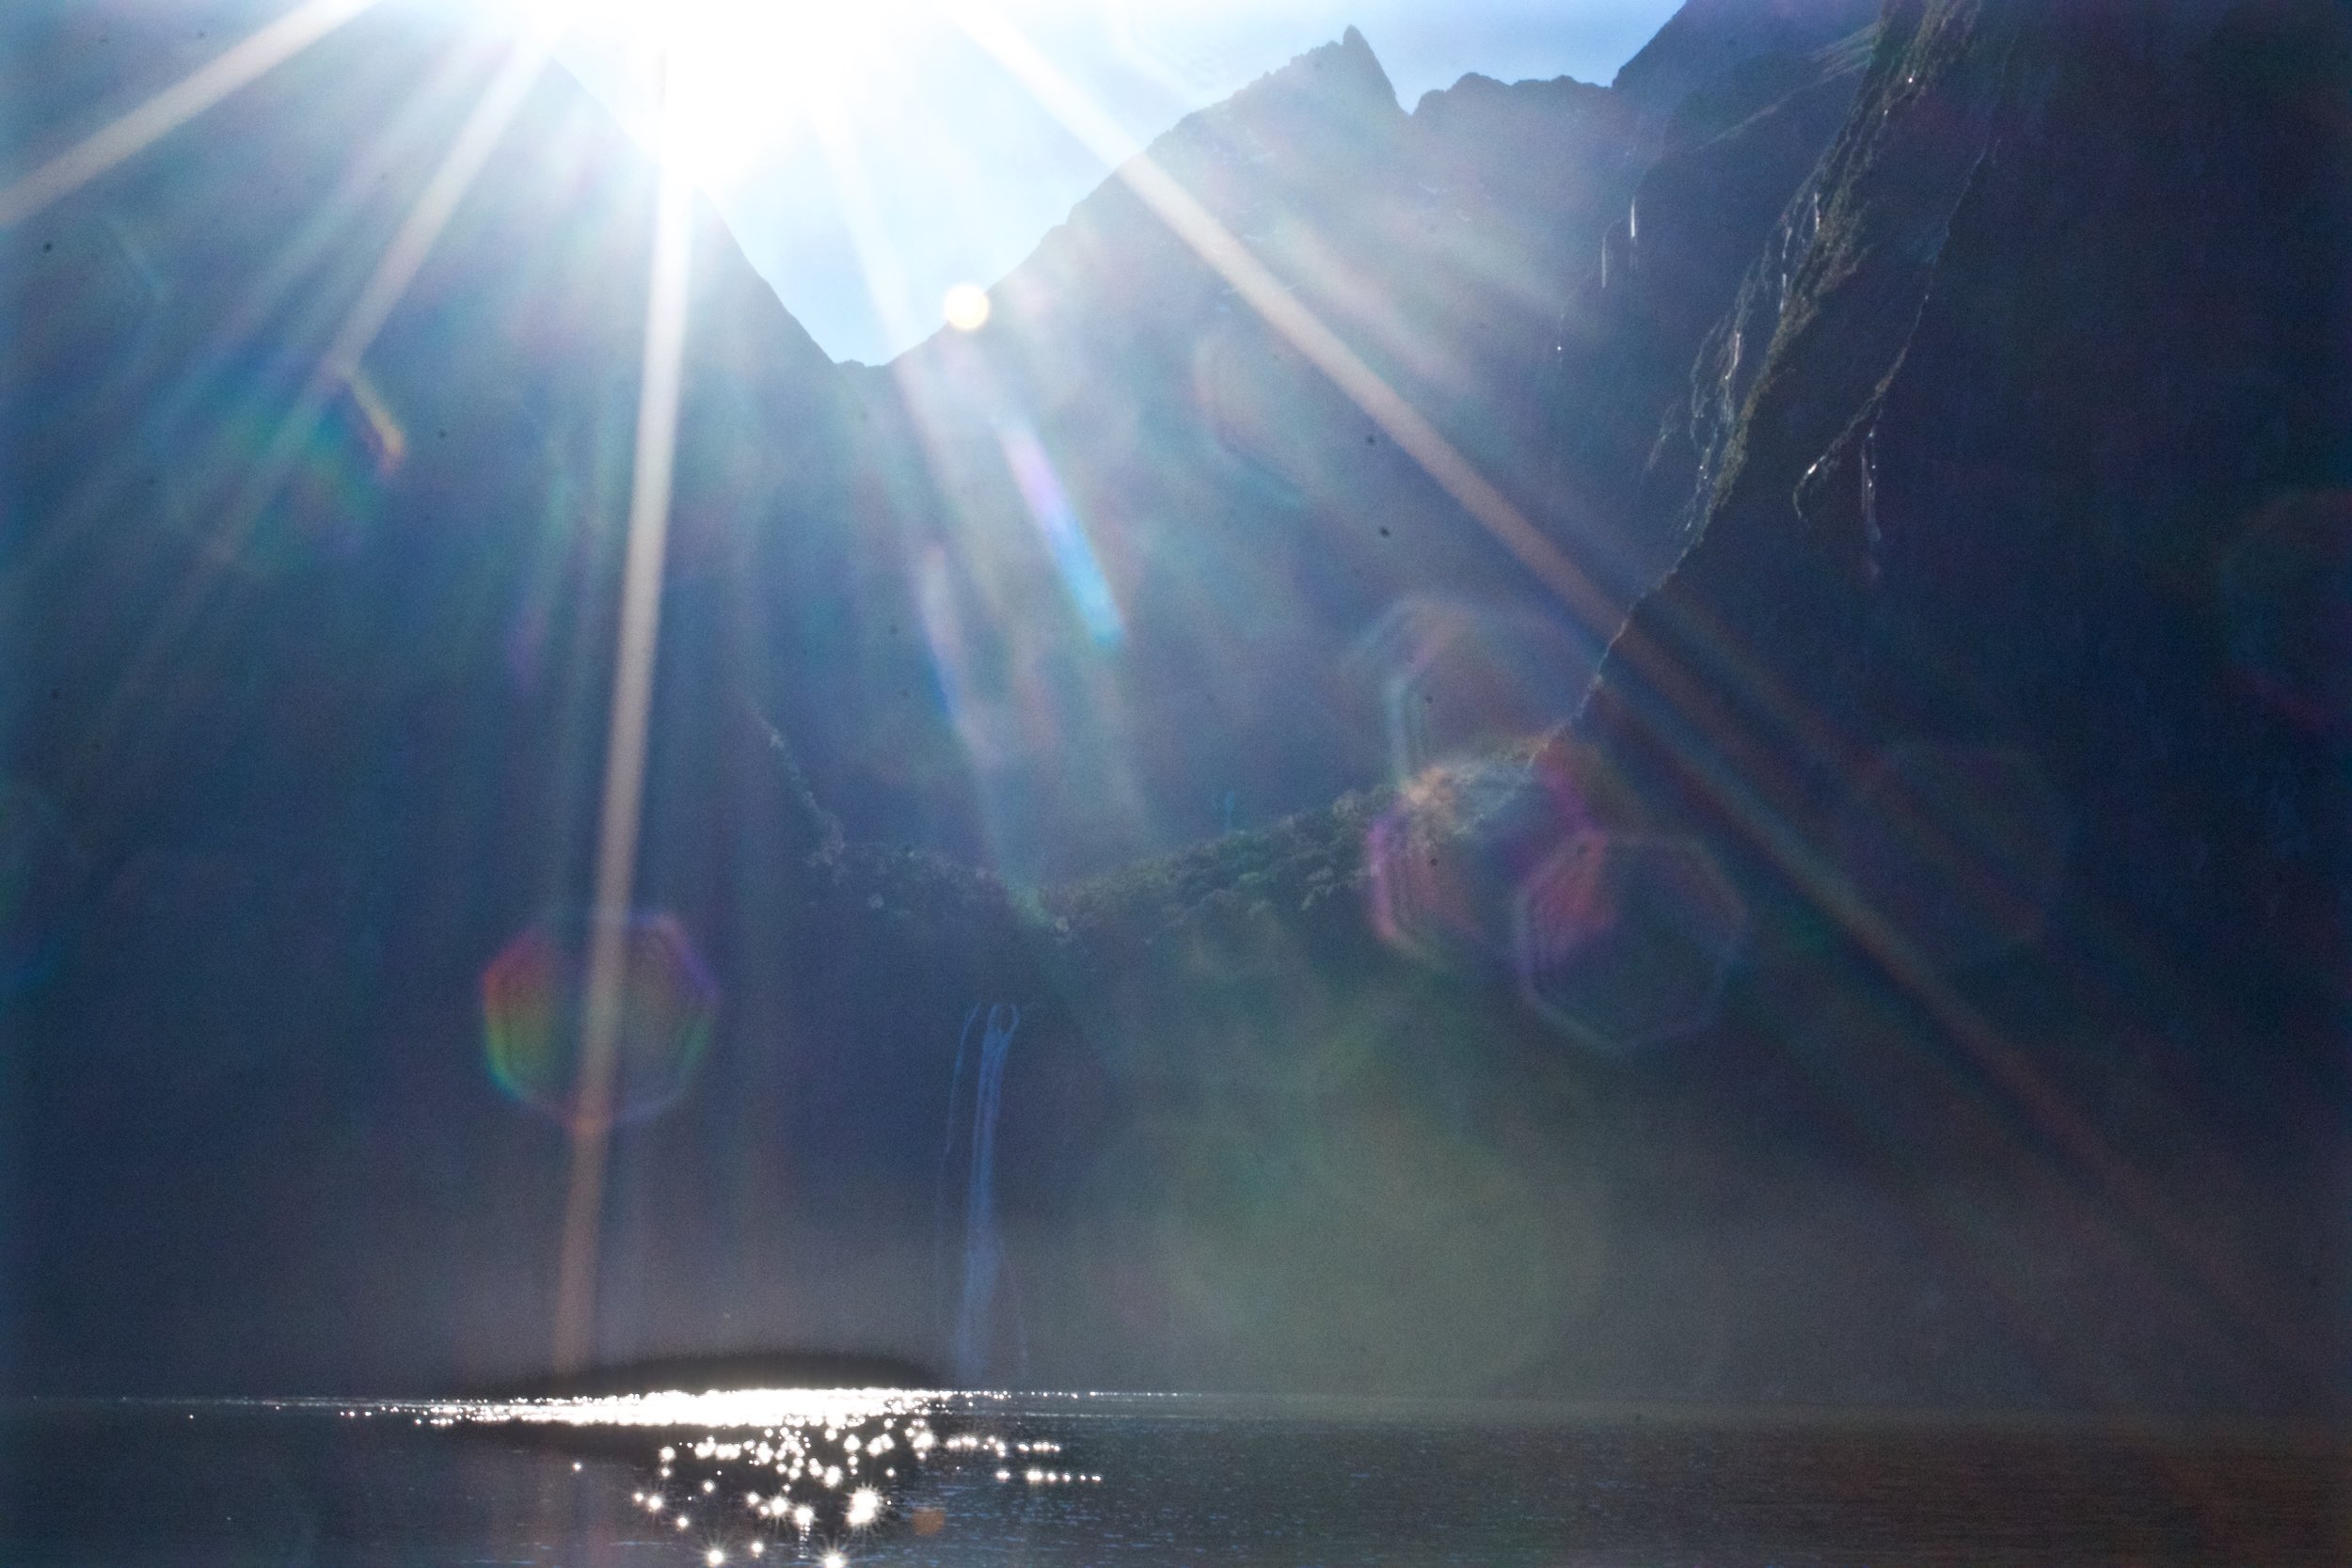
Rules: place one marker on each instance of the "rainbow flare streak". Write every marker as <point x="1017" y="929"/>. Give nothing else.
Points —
<point x="1065" y="536"/>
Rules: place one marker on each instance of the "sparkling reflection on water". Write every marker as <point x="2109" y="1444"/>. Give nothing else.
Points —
<point x="841" y="1477"/>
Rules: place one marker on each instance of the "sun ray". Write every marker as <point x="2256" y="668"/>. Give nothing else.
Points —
<point x="878" y="259"/>
<point x="2004" y="1066"/>
<point x="406" y="256"/>
<point x="236" y="67"/>
<point x="660" y="379"/>
<point x="1713" y="766"/>
<point x="1709" y="753"/>
<point x="1062" y="532"/>
<point x="241" y="328"/>
<point x="320" y="231"/>
<point x="394" y="271"/>
<point x="1290" y="317"/>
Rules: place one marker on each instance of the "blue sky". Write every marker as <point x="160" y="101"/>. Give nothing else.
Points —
<point x="924" y="166"/>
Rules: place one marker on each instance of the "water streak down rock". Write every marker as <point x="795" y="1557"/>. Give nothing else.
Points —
<point x="983" y="1248"/>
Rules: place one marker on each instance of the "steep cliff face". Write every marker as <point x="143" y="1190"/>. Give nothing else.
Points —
<point x="1695" y="269"/>
<point x="231" y="576"/>
<point x="1912" y="978"/>
<point x="1203" y="530"/>
<point x="1708" y="45"/>
<point x="306" y="724"/>
<point x="2014" y="463"/>
<point x="1195" y="523"/>
<point x="2003" y="667"/>
<point x="306" y="708"/>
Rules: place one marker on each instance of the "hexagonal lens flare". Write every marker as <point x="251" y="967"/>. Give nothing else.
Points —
<point x="531" y="999"/>
<point x="1459" y="681"/>
<point x="1445" y="858"/>
<point x="1623" y="941"/>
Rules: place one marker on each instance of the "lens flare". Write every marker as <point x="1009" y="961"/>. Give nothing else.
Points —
<point x="1623" y="941"/>
<point x="332" y="472"/>
<point x="1446" y="860"/>
<point x="967" y="308"/>
<point x="1461" y="680"/>
<point x="1063" y="533"/>
<point x="533" y="996"/>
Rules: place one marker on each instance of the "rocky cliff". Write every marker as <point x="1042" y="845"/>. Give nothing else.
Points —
<point x="1912" y="975"/>
<point x="1997" y="669"/>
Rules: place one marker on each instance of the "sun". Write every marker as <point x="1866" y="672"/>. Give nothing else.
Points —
<point x="716" y="85"/>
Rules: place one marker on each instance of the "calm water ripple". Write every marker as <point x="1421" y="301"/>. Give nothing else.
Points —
<point x="927" y="1480"/>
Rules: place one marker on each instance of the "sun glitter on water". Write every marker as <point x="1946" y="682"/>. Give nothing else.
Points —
<point x="816" y="1474"/>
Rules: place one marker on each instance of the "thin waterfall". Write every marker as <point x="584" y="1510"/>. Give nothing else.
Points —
<point x="954" y="1122"/>
<point x="983" y="1250"/>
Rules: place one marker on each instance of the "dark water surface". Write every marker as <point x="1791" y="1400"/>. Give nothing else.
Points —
<point x="1183" y="1480"/>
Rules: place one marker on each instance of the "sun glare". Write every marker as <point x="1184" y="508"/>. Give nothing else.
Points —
<point x="967" y="308"/>
<point x="716" y="83"/>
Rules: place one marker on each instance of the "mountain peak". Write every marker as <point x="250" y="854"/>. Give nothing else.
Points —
<point x="1346" y="68"/>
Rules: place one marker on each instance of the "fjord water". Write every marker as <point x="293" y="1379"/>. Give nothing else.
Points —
<point x="1183" y="1480"/>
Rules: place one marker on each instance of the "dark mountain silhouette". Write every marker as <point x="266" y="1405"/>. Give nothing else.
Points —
<point x="1995" y="671"/>
<point x="1250" y="523"/>
<point x="286" y="758"/>
<point x="1912" y="974"/>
